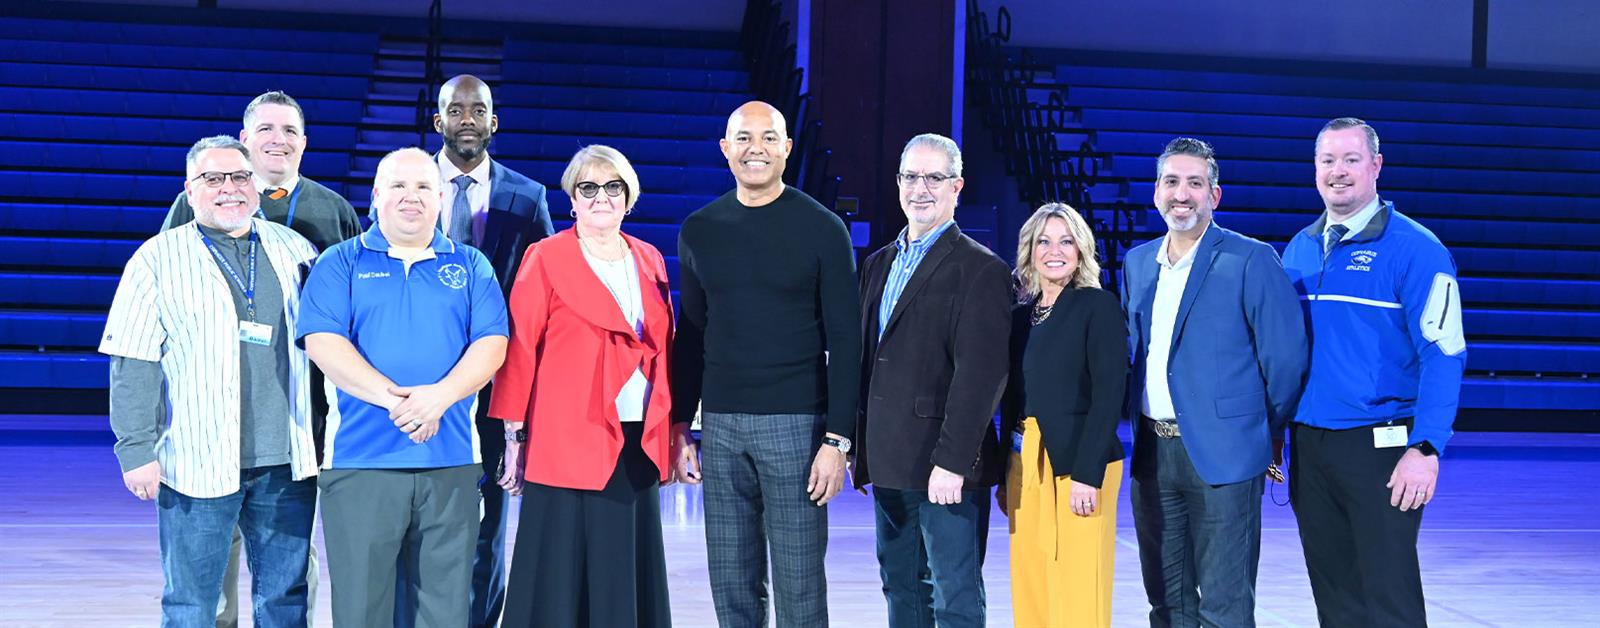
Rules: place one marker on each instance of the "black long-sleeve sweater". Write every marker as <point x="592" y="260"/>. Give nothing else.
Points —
<point x="770" y="314"/>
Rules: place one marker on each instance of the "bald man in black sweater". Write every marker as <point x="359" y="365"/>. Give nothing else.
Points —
<point x="769" y="346"/>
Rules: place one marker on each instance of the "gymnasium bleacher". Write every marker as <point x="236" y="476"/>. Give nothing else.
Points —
<point x="1507" y="175"/>
<point x="95" y="118"/>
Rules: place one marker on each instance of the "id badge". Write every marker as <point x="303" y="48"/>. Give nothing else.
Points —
<point x="1390" y="436"/>
<point x="1016" y="442"/>
<point x="255" y="333"/>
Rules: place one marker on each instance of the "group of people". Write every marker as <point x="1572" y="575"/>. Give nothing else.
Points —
<point x="414" y="375"/>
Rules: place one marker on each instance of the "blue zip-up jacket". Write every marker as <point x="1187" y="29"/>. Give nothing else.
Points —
<point x="1384" y="317"/>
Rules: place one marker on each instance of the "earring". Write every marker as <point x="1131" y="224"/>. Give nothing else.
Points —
<point x="573" y="212"/>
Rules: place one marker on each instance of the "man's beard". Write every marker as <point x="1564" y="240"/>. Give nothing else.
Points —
<point x="467" y="154"/>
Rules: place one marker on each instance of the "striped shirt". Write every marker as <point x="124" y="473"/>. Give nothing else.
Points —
<point x="905" y="263"/>
<point x="174" y="306"/>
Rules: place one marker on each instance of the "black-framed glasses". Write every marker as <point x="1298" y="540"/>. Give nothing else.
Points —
<point x="214" y="179"/>
<point x="613" y="188"/>
<point x="935" y="180"/>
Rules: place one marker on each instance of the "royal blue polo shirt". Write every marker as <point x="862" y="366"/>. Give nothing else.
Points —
<point x="412" y="325"/>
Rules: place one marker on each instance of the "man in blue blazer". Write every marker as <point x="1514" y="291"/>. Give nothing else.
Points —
<point x="1219" y="361"/>
<point x="500" y="212"/>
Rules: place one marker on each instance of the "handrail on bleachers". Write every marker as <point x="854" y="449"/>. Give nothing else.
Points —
<point x="1024" y="132"/>
<point x="770" y="58"/>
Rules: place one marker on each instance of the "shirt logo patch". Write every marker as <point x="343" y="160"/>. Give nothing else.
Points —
<point x="453" y="275"/>
<point x="373" y="274"/>
<point x="1361" y="260"/>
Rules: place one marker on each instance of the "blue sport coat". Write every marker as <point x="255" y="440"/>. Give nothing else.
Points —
<point x="1239" y="354"/>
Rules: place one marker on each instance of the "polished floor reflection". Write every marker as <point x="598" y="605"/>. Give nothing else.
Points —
<point x="1513" y="540"/>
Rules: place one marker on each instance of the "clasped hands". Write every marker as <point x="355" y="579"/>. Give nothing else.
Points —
<point x="416" y="410"/>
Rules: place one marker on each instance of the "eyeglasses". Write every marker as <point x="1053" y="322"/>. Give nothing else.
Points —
<point x="590" y="190"/>
<point x="215" y="179"/>
<point x="935" y="180"/>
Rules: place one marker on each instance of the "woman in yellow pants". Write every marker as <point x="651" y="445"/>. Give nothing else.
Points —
<point x="1068" y="377"/>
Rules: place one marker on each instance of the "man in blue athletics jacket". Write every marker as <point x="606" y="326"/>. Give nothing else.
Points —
<point x="1219" y="352"/>
<point x="1387" y="354"/>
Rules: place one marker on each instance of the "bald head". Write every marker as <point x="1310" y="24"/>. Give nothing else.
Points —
<point x="466" y="120"/>
<point x="464" y="83"/>
<point x="756" y="114"/>
<point x="757" y="148"/>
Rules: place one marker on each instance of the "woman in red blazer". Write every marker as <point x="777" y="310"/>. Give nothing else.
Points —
<point x="585" y="399"/>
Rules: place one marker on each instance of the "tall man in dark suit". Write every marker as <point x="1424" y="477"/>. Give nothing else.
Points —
<point x="275" y="132"/>
<point x="1220" y="360"/>
<point x="500" y="212"/>
<point x="935" y="317"/>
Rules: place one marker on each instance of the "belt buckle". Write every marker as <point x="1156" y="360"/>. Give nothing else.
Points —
<point x="1165" y="429"/>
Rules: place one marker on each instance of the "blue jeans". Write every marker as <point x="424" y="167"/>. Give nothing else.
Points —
<point x="930" y="557"/>
<point x="273" y="514"/>
<point x="1199" y="545"/>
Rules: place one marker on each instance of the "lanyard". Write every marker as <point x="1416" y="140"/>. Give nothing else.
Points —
<point x="294" y="199"/>
<point x="246" y="286"/>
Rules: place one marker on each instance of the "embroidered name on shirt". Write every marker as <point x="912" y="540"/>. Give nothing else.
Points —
<point x="1362" y="260"/>
<point x="373" y="275"/>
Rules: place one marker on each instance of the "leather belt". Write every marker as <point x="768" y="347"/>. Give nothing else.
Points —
<point x="1164" y="429"/>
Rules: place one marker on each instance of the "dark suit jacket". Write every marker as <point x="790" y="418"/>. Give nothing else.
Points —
<point x="518" y="216"/>
<point x="930" y="386"/>
<point x="1238" y="358"/>
<point x="1070" y="373"/>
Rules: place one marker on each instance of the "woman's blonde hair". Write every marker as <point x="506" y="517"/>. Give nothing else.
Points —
<point x="593" y="154"/>
<point x="1088" y="273"/>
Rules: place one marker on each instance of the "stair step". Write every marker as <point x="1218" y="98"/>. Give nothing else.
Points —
<point x="446" y="69"/>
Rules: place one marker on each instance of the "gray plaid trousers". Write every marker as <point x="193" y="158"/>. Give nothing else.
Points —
<point x="756" y="467"/>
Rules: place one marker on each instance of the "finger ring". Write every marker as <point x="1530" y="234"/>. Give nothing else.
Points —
<point x="415" y="424"/>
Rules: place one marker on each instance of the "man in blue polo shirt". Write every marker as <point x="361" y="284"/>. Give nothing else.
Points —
<point x="1387" y="353"/>
<point x="408" y="325"/>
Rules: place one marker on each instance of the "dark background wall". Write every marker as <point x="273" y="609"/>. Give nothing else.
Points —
<point x="1522" y="34"/>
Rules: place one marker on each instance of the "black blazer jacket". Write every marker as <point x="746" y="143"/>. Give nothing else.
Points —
<point x="930" y="386"/>
<point x="1071" y="372"/>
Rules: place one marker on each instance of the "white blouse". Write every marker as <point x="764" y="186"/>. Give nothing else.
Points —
<point x="621" y="278"/>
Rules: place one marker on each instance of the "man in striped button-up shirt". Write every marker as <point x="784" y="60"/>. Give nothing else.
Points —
<point x="210" y="397"/>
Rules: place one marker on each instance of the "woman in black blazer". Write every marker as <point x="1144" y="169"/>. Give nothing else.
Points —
<point x="1069" y="373"/>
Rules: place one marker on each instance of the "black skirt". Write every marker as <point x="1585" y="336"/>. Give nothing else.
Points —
<point x="592" y="558"/>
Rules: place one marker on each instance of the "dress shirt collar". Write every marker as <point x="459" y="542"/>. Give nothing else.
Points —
<point x="1357" y="222"/>
<point x="448" y="170"/>
<point x="922" y="244"/>
<point x="1188" y="258"/>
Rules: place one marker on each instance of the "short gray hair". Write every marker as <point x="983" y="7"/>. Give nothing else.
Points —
<point x="940" y="142"/>
<point x="1193" y="148"/>
<point x="587" y="157"/>
<point x="1340" y="124"/>
<point x="208" y="143"/>
<point x="274" y="97"/>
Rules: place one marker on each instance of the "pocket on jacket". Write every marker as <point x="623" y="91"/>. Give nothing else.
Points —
<point x="1242" y="405"/>
<point x="929" y="407"/>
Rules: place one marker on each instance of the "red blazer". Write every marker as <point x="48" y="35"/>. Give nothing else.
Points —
<point x="571" y="351"/>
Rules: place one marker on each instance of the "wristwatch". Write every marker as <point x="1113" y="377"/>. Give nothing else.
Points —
<point x="520" y="436"/>
<point x="1425" y="448"/>
<point x="842" y="444"/>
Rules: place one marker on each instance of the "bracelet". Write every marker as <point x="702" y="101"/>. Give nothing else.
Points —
<point x="519" y="436"/>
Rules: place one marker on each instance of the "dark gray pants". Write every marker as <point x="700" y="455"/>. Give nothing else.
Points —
<point x="756" y="468"/>
<point x="373" y="519"/>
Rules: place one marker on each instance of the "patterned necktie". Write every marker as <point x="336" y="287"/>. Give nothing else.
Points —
<point x="461" y="212"/>
<point x="1332" y="237"/>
